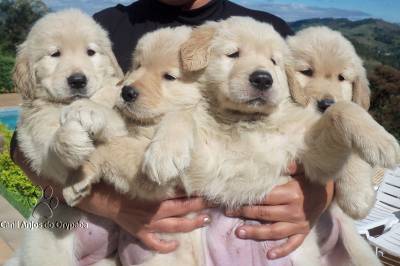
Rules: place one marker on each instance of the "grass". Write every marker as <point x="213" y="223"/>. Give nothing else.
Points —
<point x="15" y="187"/>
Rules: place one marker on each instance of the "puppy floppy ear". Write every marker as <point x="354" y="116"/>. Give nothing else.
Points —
<point x="114" y="63"/>
<point x="108" y="95"/>
<point x="195" y="52"/>
<point x="294" y="87"/>
<point x="23" y="75"/>
<point x="361" y="91"/>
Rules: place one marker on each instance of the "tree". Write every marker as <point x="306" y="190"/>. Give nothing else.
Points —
<point x="6" y="65"/>
<point x="385" y="101"/>
<point x="16" y="19"/>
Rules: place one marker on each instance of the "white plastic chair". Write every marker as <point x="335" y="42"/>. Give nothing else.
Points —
<point x="389" y="242"/>
<point x="386" y="211"/>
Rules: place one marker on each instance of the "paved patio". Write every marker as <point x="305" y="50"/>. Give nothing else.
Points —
<point x="10" y="99"/>
<point x="10" y="239"/>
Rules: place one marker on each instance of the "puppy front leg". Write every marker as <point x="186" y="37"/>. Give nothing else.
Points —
<point x="79" y="183"/>
<point x="100" y="122"/>
<point x="343" y="129"/>
<point x="169" y="152"/>
<point x="335" y="144"/>
<point x="363" y="134"/>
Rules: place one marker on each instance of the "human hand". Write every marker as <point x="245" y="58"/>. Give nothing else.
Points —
<point x="293" y="208"/>
<point x="145" y="219"/>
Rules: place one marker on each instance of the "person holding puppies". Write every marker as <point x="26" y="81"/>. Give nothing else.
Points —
<point x="292" y="207"/>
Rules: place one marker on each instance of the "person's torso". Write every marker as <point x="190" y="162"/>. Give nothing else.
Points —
<point x="127" y="24"/>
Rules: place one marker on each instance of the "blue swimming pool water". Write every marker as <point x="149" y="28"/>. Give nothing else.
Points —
<point x="9" y="116"/>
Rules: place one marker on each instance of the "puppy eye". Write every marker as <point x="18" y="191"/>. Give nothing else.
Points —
<point x="56" y="54"/>
<point x="273" y="61"/>
<point x="234" y="55"/>
<point x="308" y="72"/>
<point x="90" y="52"/>
<point x="169" y="77"/>
<point x="341" y="78"/>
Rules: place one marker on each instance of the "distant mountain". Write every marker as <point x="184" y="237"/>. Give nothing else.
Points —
<point x="377" y="41"/>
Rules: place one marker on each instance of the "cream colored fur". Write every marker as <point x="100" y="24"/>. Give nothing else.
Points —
<point x="52" y="134"/>
<point x="118" y="160"/>
<point x="328" y="55"/>
<point x="327" y="67"/>
<point x="42" y="81"/>
<point x="244" y="139"/>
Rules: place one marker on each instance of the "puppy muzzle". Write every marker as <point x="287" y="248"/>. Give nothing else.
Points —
<point x="129" y="94"/>
<point x="325" y="104"/>
<point x="261" y="80"/>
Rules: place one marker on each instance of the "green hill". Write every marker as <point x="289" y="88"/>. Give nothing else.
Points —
<point x="375" y="40"/>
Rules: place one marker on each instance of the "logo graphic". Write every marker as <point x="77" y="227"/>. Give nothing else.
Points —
<point x="46" y="204"/>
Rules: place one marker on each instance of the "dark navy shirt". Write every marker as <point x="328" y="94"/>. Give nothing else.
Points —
<point x="127" y="24"/>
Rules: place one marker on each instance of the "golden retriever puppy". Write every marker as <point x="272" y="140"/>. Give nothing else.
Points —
<point x="328" y="69"/>
<point x="66" y="58"/>
<point x="153" y="91"/>
<point x="246" y="129"/>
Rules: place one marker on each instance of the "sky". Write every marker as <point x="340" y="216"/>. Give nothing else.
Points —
<point x="290" y="10"/>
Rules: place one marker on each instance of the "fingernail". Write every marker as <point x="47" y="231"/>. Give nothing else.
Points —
<point x="242" y="233"/>
<point x="272" y="255"/>
<point x="206" y="220"/>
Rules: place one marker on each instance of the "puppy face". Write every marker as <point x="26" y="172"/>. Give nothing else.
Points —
<point x="243" y="64"/>
<point x="328" y="68"/>
<point x="66" y="56"/>
<point x="156" y="83"/>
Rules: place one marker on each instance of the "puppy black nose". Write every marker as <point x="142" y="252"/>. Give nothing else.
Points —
<point x="129" y="94"/>
<point x="324" y="104"/>
<point x="77" y="81"/>
<point x="261" y="80"/>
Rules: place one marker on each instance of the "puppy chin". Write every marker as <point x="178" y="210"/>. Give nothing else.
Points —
<point x="252" y="102"/>
<point x="249" y="106"/>
<point x="260" y="106"/>
<point x="134" y="113"/>
<point x="67" y="98"/>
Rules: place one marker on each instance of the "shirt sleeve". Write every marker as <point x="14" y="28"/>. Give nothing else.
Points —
<point x="13" y="145"/>
<point x="109" y="18"/>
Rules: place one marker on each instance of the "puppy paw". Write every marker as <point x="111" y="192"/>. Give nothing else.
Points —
<point x="384" y="151"/>
<point x="75" y="193"/>
<point x="91" y="119"/>
<point x="163" y="161"/>
<point x="357" y="204"/>
<point x="72" y="144"/>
